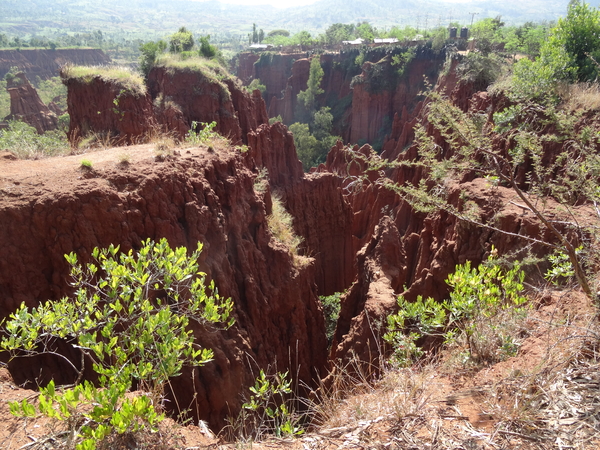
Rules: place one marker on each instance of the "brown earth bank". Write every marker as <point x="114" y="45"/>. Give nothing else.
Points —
<point x="27" y="106"/>
<point x="47" y="63"/>
<point x="53" y="207"/>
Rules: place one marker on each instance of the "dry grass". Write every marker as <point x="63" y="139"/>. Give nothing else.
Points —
<point x="120" y="76"/>
<point x="280" y="224"/>
<point x="580" y="96"/>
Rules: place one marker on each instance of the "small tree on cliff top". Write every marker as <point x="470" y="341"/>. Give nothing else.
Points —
<point x="182" y="41"/>
<point x="130" y="317"/>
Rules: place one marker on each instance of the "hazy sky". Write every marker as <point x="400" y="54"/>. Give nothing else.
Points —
<point x="276" y="3"/>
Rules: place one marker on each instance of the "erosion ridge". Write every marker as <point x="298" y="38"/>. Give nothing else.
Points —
<point x="365" y="97"/>
<point x="366" y="241"/>
<point x="47" y="63"/>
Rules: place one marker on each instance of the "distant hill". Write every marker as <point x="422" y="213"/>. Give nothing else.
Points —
<point x="156" y="18"/>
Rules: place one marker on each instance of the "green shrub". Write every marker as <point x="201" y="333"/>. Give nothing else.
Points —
<point x="484" y="305"/>
<point x="130" y="315"/>
<point x="24" y="141"/>
<point x="270" y="409"/>
<point x="86" y="164"/>
<point x="201" y="133"/>
<point x="331" y="310"/>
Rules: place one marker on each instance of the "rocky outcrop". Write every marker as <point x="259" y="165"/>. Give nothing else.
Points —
<point x="47" y="63"/>
<point x="363" y="99"/>
<point x="199" y="197"/>
<point x="107" y="109"/>
<point x="174" y="101"/>
<point x="26" y="105"/>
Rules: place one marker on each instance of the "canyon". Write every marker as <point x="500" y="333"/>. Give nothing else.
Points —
<point x="362" y="238"/>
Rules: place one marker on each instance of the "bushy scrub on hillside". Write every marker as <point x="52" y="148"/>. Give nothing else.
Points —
<point x="24" y="141"/>
<point x="481" y="315"/>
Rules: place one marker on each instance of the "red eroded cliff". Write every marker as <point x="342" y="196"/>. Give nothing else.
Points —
<point x="197" y="197"/>
<point x="47" y="63"/>
<point x="108" y="109"/>
<point x="364" y="100"/>
<point x="26" y="105"/>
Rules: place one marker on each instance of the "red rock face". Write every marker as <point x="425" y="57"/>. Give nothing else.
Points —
<point x="198" y="98"/>
<point x="26" y="105"/>
<point x="47" y="63"/>
<point x="109" y="110"/>
<point x="363" y="237"/>
<point x="365" y="108"/>
<point x="246" y="67"/>
<point x="199" y="197"/>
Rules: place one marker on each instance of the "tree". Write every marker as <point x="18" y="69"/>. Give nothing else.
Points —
<point x="579" y="35"/>
<point x="366" y="31"/>
<point x="306" y="144"/>
<point x="182" y="41"/>
<point x="307" y="98"/>
<point x="254" y="34"/>
<point x="130" y="316"/>
<point x="149" y="54"/>
<point x="206" y="49"/>
<point x="302" y="38"/>
<point x="261" y="35"/>
<point x="568" y="178"/>
<point x="279" y="32"/>
<point x="337" y="33"/>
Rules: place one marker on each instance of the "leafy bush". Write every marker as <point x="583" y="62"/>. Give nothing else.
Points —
<point x="331" y="310"/>
<point x="201" y="133"/>
<point x="182" y="41"/>
<point x="256" y="84"/>
<point x="130" y="315"/>
<point x="24" y="141"/>
<point x="485" y="302"/>
<point x="270" y="408"/>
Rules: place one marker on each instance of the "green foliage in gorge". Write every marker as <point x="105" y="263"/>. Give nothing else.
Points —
<point x="484" y="301"/>
<point x="130" y="315"/>
<point x="23" y="141"/>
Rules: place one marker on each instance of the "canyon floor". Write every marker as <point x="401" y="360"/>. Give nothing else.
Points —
<point x="545" y="397"/>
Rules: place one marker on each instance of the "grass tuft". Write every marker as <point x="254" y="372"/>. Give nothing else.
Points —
<point x="280" y="225"/>
<point x="580" y="96"/>
<point x="121" y="76"/>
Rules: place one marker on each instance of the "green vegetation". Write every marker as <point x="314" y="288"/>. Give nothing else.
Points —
<point x="331" y="310"/>
<point x="307" y="98"/>
<point x="86" y="164"/>
<point x="484" y="307"/>
<point x="201" y="133"/>
<point x="131" y="316"/>
<point x="120" y="76"/>
<point x="51" y="90"/>
<point x="182" y="41"/>
<point x="280" y="223"/>
<point x="24" y="141"/>
<point x="269" y="409"/>
<point x="313" y="139"/>
<point x="256" y="84"/>
<point x="569" y="54"/>
<point x="150" y="52"/>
